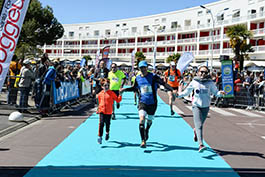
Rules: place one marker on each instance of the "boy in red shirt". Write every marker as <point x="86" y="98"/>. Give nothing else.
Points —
<point x="105" y="108"/>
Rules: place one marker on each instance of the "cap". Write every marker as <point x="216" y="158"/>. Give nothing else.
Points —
<point x="142" y="64"/>
<point x="173" y="63"/>
<point x="26" y="62"/>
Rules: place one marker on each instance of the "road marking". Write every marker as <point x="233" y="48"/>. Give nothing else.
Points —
<point x="221" y="111"/>
<point x="177" y="110"/>
<point x="247" y="113"/>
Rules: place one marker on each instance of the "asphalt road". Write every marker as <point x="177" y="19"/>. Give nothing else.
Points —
<point x="235" y="136"/>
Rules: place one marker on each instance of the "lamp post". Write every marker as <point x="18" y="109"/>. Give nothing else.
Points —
<point x="154" y="59"/>
<point x="212" y="35"/>
<point x="212" y="32"/>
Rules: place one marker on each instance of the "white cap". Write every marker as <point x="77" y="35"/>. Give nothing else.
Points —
<point x="173" y="63"/>
<point x="26" y="62"/>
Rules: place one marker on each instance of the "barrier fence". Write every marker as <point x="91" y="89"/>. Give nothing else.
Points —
<point x="67" y="94"/>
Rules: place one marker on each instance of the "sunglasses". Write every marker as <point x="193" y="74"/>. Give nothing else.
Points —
<point x="205" y="72"/>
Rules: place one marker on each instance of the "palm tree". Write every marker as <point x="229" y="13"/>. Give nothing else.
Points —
<point x="239" y="34"/>
<point x="139" y="57"/>
<point x="175" y="57"/>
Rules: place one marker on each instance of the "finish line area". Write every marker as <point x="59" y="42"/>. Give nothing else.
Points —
<point x="170" y="150"/>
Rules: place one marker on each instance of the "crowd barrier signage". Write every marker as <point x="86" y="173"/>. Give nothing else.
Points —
<point x="11" y="19"/>
<point x="86" y="87"/>
<point x="227" y="78"/>
<point x="66" y="92"/>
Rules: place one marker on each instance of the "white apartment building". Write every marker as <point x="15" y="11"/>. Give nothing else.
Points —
<point x="172" y="32"/>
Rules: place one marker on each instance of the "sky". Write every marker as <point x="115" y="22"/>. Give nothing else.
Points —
<point x="84" y="11"/>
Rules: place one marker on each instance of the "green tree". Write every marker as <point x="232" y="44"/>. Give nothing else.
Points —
<point x="174" y="57"/>
<point x="87" y="57"/>
<point x="139" y="56"/>
<point x="239" y="34"/>
<point x="40" y="27"/>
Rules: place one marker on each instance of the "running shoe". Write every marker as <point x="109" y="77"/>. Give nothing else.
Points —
<point x="113" y="116"/>
<point x="118" y="105"/>
<point x="172" y="112"/>
<point x="143" y="144"/>
<point x="195" y="135"/>
<point x="99" y="140"/>
<point x="107" y="137"/>
<point x="202" y="148"/>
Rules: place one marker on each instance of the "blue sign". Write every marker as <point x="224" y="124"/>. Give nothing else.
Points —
<point x="68" y="91"/>
<point x="227" y="78"/>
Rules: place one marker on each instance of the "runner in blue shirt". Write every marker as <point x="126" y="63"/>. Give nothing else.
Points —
<point x="146" y="84"/>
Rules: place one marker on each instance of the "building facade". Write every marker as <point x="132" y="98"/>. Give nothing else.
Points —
<point x="173" y="32"/>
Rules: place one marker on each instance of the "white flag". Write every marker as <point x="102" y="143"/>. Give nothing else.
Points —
<point x="184" y="61"/>
<point x="97" y="58"/>
<point x="11" y="21"/>
<point x="133" y="59"/>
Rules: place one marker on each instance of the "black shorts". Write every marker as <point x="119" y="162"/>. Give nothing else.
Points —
<point x="175" y="88"/>
<point x="149" y="109"/>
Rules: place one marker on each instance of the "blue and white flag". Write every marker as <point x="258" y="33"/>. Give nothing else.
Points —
<point x="83" y="62"/>
<point x="184" y="61"/>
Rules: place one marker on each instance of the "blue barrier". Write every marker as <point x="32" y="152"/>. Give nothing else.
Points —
<point x="68" y="91"/>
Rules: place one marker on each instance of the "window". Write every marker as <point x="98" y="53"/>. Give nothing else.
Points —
<point x="220" y="17"/>
<point x="134" y="29"/>
<point x="87" y="27"/>
<point x="187" y="22"/>
<point x="117" y="25"/>
<point x="261" y="9"/>
<point x="199" y="13"/>
<point x="71" y="34"/>
<point x="236" y="13"/>
<point x="96" y="33"/>
<point x="174" y="25"/>
<point x="251" y="1"/>
<point x="156" y="21"/>
<point x="209" y="21"/>
<point x="87" y="34"/>
<point x="164" y="20"/>
<point x="198" y="22"/>
<point x="146" y="28"/>
<point x="107" y="32"/>
<point x="80" y="28"/>
<point x="124" y="24"/>
<point x="80" y="34"/>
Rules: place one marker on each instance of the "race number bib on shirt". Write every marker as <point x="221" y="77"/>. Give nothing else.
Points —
<point x="146" y="89"/>
<point x="171" y="78"/>
<point x="114" y="79"/>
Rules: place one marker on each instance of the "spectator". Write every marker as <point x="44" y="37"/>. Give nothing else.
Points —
<point x="25" y="82"/>
<point x="14" y="70"/>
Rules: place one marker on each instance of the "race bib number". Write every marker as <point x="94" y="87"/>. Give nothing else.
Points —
<point x="146" y="89"/>
<point x="172" y="78"/>
<point x="114" y="79"/>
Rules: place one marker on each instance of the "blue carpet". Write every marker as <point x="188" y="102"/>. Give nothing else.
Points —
<point x="170" y="149"/>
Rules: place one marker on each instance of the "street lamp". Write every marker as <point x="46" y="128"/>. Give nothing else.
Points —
<point x="212" y="32"/>
<point x="212" y="35"/>
<point x="154" y="59"/>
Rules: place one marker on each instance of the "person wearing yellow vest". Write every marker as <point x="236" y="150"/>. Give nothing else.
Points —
<point x="117" y="80"/>
<point x="172" y="79"/>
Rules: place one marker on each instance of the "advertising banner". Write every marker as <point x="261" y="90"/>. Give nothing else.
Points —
<point x="227" y="78"/>
<point x="11" y="21"/>
<point x="86" y="87"/>
<point x="133" y="60"/>
<point x="105" y="52"/>
<point x="68" y="91"/>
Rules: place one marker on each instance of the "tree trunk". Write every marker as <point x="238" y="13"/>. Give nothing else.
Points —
<point x="241" y="59"/>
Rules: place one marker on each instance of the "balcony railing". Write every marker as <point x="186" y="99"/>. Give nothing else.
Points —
<point x="188" y="40"/>
<point x="209" y="52"/>
<point x="71" y="46"/>
<point x="258" y="31"/>
<point x="259" y="49"/>
<point x="90" y="46"/>
<point x="227" y="51"/>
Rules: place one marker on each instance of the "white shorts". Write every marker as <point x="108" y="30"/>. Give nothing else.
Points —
<point x="144" y="113"/>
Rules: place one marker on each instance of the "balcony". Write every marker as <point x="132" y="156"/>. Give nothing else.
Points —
<point x="71" y="46"/>
<point x="90" y="46"/>
<point x="209" y="52"/>
<point x="259" y="49"/>
<point x="126" y="44"/>
<point x="227" y="51"/>
<point x="146" y="43"/>
<point x="55" y="54"/>
<point x="209" y="38"/>
<point x="188" y="40"/>
<point x="258" y="31"/>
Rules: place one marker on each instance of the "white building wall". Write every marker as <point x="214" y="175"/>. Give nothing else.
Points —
<point x="85" y="31"/>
